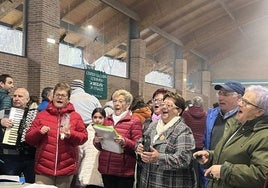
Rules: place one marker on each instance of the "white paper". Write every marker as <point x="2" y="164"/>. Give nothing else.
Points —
<point x="108" y="133"/>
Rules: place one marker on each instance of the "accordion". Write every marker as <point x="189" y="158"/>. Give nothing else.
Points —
<point x="14" y="137"/>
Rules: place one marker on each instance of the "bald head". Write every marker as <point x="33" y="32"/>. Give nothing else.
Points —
<point x="20" y="98"/>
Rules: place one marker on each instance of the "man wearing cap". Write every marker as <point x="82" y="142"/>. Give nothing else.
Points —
<point x="228" y="95"/>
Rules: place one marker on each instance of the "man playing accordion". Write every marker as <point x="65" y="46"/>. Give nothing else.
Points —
<point x="17" y="159"/>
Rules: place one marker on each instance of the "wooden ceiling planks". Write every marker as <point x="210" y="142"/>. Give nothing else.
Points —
<point x="213" y="28"/>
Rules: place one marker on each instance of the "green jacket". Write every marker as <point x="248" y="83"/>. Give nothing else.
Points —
<point x="5" y="99"/>
<point x="243" y="155"/>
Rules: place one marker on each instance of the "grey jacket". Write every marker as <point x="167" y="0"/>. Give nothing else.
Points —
<point x="174" y="168"/>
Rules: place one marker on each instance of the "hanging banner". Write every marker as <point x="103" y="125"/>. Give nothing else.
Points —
<point x="96" y="83"/>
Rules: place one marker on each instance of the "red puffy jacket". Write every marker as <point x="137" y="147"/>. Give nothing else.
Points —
<point x="54" y="156"/>
<point x="123" y="164"/>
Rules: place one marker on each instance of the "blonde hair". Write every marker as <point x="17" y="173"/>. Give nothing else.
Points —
<point x="128" y="96"/>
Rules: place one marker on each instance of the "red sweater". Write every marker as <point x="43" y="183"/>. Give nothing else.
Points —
<point x="195" y="118"/>
<point x="54" y="156"/>
<point x="123" y="164"/>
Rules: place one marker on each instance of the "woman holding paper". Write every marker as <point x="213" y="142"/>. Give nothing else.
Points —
<point x="166" y="153"/>
<point x="118" y="169"/>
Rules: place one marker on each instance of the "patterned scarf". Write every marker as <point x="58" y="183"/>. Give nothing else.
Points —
<point x="161" y="127"/>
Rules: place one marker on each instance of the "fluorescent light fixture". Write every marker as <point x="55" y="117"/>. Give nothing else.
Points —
<point x="50" y="40"/>
<point x="90" y="27"/>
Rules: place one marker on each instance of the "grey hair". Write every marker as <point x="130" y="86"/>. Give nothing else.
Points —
<point x="198" y="101"/>
<point x="261" y="96"/>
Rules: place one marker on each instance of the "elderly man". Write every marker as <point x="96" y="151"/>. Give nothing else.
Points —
<point x="16" y="162"/>
<point x="228" y="95"/>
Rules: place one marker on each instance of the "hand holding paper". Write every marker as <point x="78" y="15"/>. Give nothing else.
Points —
<point x="120" y="140"/>
<point x="97" y="139"/>
<point x="111" y="140"/>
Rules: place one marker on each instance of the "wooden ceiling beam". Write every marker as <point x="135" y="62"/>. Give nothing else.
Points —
<point x="228" y="11"/>
<point x="18" y="23"/>
<point x="123" y="9"/>
<point x="176" y="41"/>
<point x="8" y="6"/>
<point x="202" y="56"/>
<point x="71" y="8"/>
<point x="166" y="35"/>
<point x="84" y="21"/>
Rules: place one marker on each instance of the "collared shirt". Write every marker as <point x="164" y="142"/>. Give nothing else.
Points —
<point x="229" y="113"/>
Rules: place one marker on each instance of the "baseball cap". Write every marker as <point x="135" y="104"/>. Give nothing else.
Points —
<point x="232" y="86"/>
<point x="77" y="84"/>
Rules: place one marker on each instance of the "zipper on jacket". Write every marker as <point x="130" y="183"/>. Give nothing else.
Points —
<point x="57" y="142"/>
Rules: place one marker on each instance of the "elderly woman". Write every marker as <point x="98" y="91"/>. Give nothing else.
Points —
<point x="168" y="161"/>
<point x="56" y="132"/>
<point x="240" y="159"/>
<point x="118" y="169"/>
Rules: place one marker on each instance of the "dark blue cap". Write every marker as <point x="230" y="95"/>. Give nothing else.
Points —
<point x="232" y="86"/>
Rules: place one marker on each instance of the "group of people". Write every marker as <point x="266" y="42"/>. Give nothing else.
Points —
<point x="168" y="145"/>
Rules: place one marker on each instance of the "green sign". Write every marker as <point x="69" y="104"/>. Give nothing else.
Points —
<point x="96" y="83"/>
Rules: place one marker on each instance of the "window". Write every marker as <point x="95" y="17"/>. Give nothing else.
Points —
<point x="111" y="66"/>
<point x="10" y="40"/>
<point x="159" y="78"/>
<point x="70" y="56"/>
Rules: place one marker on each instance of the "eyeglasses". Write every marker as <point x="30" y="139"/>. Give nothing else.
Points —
<point x="245" y="102"/>
<point x="157" y="100"/>
<point x="61" y="95"/>
<point x="168" y="105"/>
<point x="225" y="93"/>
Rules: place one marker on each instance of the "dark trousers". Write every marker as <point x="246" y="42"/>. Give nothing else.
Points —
<point x="111" y="181"/>
<point x="18" y="164"/>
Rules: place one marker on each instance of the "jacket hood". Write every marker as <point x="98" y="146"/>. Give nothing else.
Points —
<point x="196" y="112"/>
<point x="142" y="113"/>
<point x="53" y="110"/>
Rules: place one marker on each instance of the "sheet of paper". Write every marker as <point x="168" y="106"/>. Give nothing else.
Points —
<point x="108" y="133"/>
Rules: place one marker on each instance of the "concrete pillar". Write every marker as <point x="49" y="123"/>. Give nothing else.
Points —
<point x="43" y="22"/>
<point x="180" y="77"/>
<point x="137" y="64"/>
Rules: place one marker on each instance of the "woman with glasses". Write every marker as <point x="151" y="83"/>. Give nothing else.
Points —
<point x="155" y="107"/>
<point x="56" y="133"/>
<point x="157" y="100"/>
<point x="240" y="159"/>
<point x="166" y="153"/>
